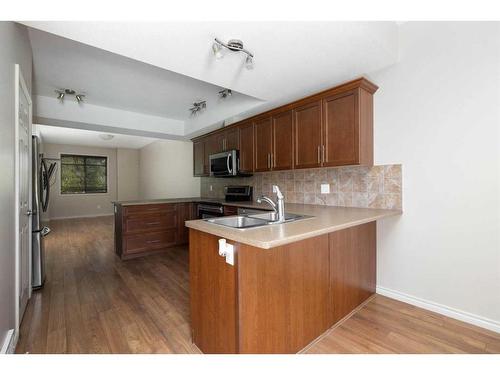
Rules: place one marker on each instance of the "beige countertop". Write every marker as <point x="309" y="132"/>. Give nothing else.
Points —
<point x="326" y="219"/>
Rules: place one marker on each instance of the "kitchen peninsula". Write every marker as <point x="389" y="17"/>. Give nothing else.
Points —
<point x="288" y="284"/>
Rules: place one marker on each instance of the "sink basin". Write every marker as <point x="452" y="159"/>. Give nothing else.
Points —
<point x="273" y="216"/>
<point x="240" y="222"/>
<point x="253" y="221"/>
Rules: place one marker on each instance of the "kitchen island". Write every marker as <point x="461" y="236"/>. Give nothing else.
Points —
<point x="287" y="284"/>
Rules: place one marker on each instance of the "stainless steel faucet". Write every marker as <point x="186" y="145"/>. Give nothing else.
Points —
<point x="278" y="206"/>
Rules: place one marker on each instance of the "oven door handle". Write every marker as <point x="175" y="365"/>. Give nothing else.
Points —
<point x="228" y="164"/>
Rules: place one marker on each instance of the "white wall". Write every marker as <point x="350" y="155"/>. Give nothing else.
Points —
<point x="16" y="49"/>
<point x="166" y="170"/>
<point x="127" y="174"/>
<point x="81" y="205"/>
<point x="438" y="113"/>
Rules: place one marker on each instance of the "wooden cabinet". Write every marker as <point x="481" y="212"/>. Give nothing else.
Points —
<point x="199" y="164"/>
<point x="147" y="228"/>
<point x="348" y="128"/>
<point x="213" y="296"/>
<point x="282" y="152"/>
<point x="278" y="300"/>
<point x="263" y="144"/>
<point x="230" y="210"/>
<point x="246" y="141"/>
<point x="331" y="128"/>
<point x="185" y="211"/>
<point x="307" y="129"/>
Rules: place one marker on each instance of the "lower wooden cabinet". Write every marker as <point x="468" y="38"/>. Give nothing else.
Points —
<point x="148" y="228"/>
<point x="281" y="299"/>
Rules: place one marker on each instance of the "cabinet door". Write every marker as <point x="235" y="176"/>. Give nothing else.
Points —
<point x="232" y="139"/>
<point x="246" y="147"/>
<point x="184" y="212"/>
<point x="307" y="133"/>
<point x="219" y="142"/>
<point x="199" y="158"/>
<point x="213" y="293"/>
<point x="263" y="144"/>
<point x="282" y="155"/>
<point x="341" y="129"/>
<point x="211" y="147"/>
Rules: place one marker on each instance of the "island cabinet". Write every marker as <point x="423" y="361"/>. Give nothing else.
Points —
<point x="281" y="299"/>
<point x="147" y="228"/>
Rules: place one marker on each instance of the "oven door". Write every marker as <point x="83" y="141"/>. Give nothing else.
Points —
<point x="224" y="164"/>
<point x="206" y="211"/>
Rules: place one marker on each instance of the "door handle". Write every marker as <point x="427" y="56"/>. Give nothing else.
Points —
<point x="319" y="157"/>
<point x="29" y="212"/>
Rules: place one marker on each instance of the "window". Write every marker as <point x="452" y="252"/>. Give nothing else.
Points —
<point x="82" y="174"/>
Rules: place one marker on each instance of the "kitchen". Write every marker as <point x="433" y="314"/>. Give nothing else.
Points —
<point x="326" y="220"/>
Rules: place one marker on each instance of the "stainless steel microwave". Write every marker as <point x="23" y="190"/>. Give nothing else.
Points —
<point x="224" y="164"/>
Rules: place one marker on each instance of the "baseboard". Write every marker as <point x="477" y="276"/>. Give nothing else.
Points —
<point x="10" y="342"/>
<point x="450" y="312"/>
<point x="79" y="216"/>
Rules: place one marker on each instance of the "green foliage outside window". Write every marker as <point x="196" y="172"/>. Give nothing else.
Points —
<point x="81" y="174"/>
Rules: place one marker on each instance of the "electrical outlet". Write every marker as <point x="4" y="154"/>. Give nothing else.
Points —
<point x="325" y="188"/>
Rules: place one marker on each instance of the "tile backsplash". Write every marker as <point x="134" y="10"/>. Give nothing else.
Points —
<point x="379" y="186"/>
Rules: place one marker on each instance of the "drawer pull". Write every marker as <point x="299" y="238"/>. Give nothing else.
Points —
<point x="153" y="241"/>
<point x="153" y="223"/>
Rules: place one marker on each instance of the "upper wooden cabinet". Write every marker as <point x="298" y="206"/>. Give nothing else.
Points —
<point x="199" y="165"/>
<point x="348" y="128"/>
<point x="263" y="144"/>
<point x="246" y="147"/>
<point x="331" y="128"/>
<point x="282" y="153"/>
<point x="307" y="129"/>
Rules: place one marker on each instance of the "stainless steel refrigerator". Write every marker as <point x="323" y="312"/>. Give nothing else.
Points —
<point x="40" y="201"/>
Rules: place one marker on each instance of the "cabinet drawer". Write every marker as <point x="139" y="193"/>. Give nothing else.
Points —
<point x="148" y="208"/>
<point x="149" y="222"/>
<point x="148" y="241"/>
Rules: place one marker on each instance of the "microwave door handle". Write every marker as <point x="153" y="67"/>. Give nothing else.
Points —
<point x="228" y="164"/>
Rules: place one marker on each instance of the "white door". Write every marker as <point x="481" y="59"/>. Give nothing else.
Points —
<point x="23" y="192"/>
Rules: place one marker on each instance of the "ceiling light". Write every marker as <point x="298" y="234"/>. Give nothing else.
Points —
<point x="63" y="93"/>
<point x="217" y="50"/>
<point x="106" y="137"/>
<point x="198" y="107"/>
<point x="249" y="62"/>
<point x="223" y="94"/>
<point x="234" y="45"/>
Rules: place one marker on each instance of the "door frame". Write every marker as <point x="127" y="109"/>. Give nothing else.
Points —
<point x="20" y="83"/>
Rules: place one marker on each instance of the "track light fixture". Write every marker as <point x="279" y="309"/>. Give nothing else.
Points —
<point x="62" y="93"/>
<point x="234" y="45"/>
<point x="223" y="94"/>
<point x="198" y="107"/>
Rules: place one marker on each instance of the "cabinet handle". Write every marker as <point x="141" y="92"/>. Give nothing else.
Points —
<point x="153" y="241"/>
<point x="323" y="152"/>
<point x="153" y="223"/>
<point x="319" y="157"/>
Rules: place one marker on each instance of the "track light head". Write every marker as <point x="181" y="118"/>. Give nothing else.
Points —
<point x="249" y="62"/>
<point x="60" y="95"/>
<point x="234" y="45"/>
<point x="79" y="98"/>
<point x="217" y="50"/>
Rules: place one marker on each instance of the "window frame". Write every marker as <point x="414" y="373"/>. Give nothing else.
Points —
<point x="61" y="154"/>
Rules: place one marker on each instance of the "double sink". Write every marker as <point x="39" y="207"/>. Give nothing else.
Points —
<point x="255" y="220"/>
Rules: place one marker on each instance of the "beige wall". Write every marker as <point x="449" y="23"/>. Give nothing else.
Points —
<point x="166" y="170"/>
<point x="81" y="205"/>
<point x="127" y="172"/>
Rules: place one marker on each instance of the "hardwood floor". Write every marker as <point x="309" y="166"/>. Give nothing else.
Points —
<point x="93" y="302"/>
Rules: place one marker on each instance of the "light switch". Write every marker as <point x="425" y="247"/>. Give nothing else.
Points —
<point x="325" y="188"/>
<point x="211" y="188"/>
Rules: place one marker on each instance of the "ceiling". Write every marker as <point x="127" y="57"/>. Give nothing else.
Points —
<point x="159" y="68"/>
<point x="70" y="136"/>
